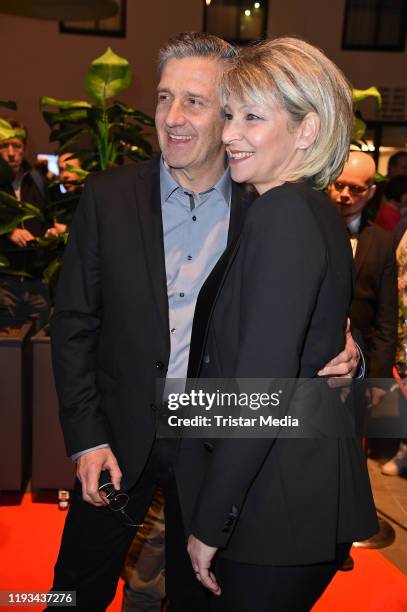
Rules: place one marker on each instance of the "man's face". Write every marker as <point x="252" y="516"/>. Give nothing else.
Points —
<point x="400" y="168"/>
<point x="189" y="119"/>
<point x="12" y="151"/>
<point x="354" y="188"/>
<point x="68" y="177"/>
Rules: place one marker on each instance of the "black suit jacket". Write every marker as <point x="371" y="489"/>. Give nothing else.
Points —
<point x="374" y="305"/>
<point x="280" y="312"/>
<point x="26" y="259"/>
<point x="110" y="330"/>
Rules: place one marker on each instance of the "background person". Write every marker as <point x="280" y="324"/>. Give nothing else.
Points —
<point x="394" y="205"/>
<point x="68" y="176"/>
<point x="373" y="310"/>
<point x="23" y="297"/>
<point x="397" y="164"/>
<point x="281" y="514"/>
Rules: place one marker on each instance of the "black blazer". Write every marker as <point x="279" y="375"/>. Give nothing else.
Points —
<point x="280" y="312"/>
<point x="110" y="330"/>
<point x="374" y="305"/>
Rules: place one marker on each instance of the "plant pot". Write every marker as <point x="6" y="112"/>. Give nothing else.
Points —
<point x="51" y="468"/>
<point x="15" y="404"/>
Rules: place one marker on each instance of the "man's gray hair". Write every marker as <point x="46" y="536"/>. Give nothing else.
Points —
<point x="195" y="44"/>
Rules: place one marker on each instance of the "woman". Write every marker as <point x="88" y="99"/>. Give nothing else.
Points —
<point x="279" y="514"/>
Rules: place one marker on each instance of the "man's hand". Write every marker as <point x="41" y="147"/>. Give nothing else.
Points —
<point x="374" y="396"/>
<point x="201" y="557"/>
<point x="346" y="363"/>
<point x="88" y="468"/>
<point x="21" y="236"/>
<point x="58" y="228"/>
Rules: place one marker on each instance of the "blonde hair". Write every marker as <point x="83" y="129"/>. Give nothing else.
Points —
<point x="300" y="79"/>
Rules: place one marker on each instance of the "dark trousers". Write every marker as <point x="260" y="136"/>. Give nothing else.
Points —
<point x="249" y="588"/>
<point x="95" y="543"/>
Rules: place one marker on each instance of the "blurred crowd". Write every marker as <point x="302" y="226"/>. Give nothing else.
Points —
<point x="24" y="292"/>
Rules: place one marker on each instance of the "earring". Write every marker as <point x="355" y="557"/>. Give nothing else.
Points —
<point x="301" y="146"/>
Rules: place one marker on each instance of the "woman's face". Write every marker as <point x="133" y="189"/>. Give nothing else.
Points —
<point x="261" y="143"/>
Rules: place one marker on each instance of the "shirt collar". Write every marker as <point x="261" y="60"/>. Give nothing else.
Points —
<point x="354" y="226"/>
<point x="168" y="184"/>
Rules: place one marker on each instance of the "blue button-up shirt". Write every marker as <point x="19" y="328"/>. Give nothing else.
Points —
<point x="195" y="236"/>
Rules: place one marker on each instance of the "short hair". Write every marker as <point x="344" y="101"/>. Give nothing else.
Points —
<point x="301" y="79"/>
<point x="395" y="188"/>
<point x="195" y="44"/>
<point x="17" y="125"/>
<point x="394" y="160"/>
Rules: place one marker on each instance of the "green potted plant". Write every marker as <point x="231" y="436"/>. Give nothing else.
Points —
<point x="101" y="133"/>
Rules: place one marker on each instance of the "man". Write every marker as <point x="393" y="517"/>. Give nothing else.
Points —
<point x="374" y="306"/>
<point x="143" y="241"/>
<point x="23" y="296"/>
<point x="397" y="164"/>
<point x="373" y="309"/>
<point x="69" y="177"/>
<point x="394" y="206"/>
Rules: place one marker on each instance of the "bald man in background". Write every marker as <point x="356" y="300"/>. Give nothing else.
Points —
<point x="374" y="306"/>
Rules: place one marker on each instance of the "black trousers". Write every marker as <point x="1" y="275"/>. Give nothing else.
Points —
<point x="265" y="588"/>
<point x="95" y="543"/>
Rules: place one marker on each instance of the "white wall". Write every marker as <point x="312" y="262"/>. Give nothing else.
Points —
<point x="37" y="60"/>
<point x="320" y="22"/>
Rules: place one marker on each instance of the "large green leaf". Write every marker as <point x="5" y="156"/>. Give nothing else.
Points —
<point x="7" y="228"/>
<point x="107" y="76"/>
<point x="359" y="128"/>
<point x="362" y="94"/>
<point x="7" y="131"/>
<point x="52" y="268"/>
<point x="80" y="172"/>
<point x="120" y="110"/>
<point x="18" y="273"/>
<point x="63" y="104"/>
<point x="70" y="115"/>
<point x="132" y="138"/>
<point x="68" y="144"/>
<point x="12" y="202"/>
<point x="63" y="135"/>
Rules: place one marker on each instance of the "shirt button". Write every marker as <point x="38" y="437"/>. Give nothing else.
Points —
<point x="173" y="330"/>
<point x="182" y="295"/>
<point x="159" y="365"/>
<point x="189" y="257"/>
<point x="194" y="218"/>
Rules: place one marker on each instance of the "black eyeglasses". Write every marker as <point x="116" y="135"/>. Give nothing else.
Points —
<point x="117" y="502"/>
<point x="353" y="189"/>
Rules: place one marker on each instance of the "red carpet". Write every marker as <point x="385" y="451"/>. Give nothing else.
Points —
<point x="29" y="538"/>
